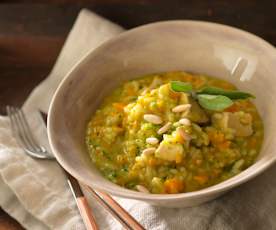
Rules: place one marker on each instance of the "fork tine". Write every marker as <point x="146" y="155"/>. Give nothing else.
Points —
<point x="26" y="129"/>
<point x="13" y="127"/>
<point x="21" y="137"/>
<point x="19" y="130"/>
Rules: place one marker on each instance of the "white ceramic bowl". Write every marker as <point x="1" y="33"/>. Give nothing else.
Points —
<point x="198" y="47"/>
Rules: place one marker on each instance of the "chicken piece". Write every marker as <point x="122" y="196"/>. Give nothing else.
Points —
<point x="170" y="151"/>
<point x="243" y="129"/>
<point x="240" y="122"/>
<point x="197" y="114"/>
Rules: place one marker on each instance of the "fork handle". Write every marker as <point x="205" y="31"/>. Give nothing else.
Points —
<point x="84" y="209"/>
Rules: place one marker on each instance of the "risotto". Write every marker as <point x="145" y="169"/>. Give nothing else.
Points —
<point x="174" y="132"/>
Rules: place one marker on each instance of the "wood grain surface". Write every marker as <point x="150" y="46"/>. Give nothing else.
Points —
<point x="33" y="32"/>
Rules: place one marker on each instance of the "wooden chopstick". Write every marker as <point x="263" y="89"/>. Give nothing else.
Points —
<point x="83" y="206"/>
<point x="116" y="210"/>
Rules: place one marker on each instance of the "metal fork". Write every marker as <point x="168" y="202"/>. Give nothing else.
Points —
<point x="23" y="134"/>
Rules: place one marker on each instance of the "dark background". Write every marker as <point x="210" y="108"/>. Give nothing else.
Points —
<point x="33" y="32"/>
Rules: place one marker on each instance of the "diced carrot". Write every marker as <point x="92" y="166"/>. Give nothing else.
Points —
<point x="152" y="162"/>
<point x="174" y="186"/>
<point x="252" y="143"/>
<point x="224" y="145"/>
<point x="218" y="140"/>
<point x="233" y="108"/>
<point x="219" y="137"/>
<point x="118" y="106"/>
<point x="188" y="77"/>
<point x="130" y="91"/>
<point x="216" y="137"/>
<point x="198" y="162"/>
<point x="174" y="95"/>
<point x="97" y="121"/>
<point x="198" y="82"/>
<point x="201" y="179"/>
<point x="224" y="85"/>
<point x="246" y="104"/>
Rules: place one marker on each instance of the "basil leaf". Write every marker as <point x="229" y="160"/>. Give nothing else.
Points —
<point x="214" y="102"/>
<point x="179" y="86"/>
<point x="232" y="94"/>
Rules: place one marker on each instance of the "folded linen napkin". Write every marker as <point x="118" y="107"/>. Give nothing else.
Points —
<point x="36" y="194"/>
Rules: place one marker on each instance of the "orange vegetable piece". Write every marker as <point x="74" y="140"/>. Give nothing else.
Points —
<point x="224" y="145"/>
<point x="198" y="162"/>
<point x="201" y="179"/>
<point x="252" y="143"/>
<point x="174" y="186"/>
<point x="233" y="108"/>
<point x="118" y="106"/>
<point x="198" y="82"/>
<point x="174" y="95"/>
<point x="216" y="137"/>
<point x="152" y="162"/>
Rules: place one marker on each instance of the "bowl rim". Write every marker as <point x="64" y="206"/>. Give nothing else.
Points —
<point x="251" y="172"/>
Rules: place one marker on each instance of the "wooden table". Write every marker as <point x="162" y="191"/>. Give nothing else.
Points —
<point x="32" y="34"/>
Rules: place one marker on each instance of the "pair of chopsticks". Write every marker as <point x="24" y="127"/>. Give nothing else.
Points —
<point x="116" y="210"/>
<point x="106" y="201"/>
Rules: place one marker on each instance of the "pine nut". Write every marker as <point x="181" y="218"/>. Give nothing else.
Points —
<point x="148" y="151"/>
<point x="141" y="188"/>
<point x="185" y="121"/>
<point x="181" y="108"/>
<point x="164" y="129"/>
<point x="154" y="119"/>
<point x="152" y="140"/>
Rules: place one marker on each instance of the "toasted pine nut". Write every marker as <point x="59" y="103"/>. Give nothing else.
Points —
<point x="152" y="140"/>
<point x="185" y="121"/>
<point x="141" y="188"/>
<point x="165" y="128"/>
<point x="181" y="108"/>
<point x="154" y="119"/>
<point x="148" y="151"/>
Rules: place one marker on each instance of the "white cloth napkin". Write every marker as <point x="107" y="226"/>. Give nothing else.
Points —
<point x="36" y="194"/>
